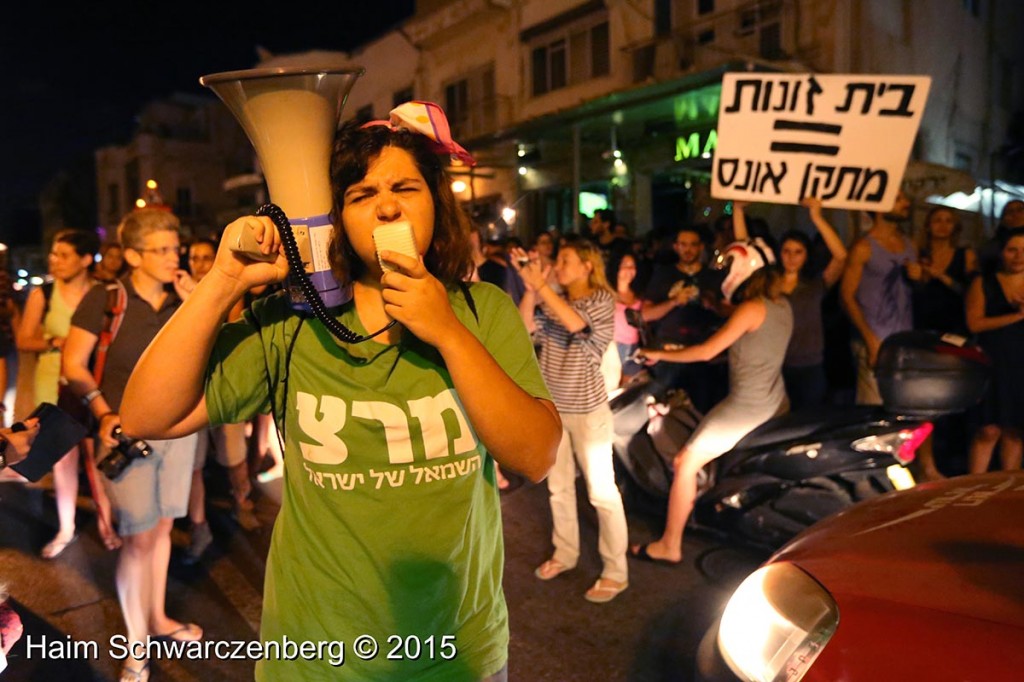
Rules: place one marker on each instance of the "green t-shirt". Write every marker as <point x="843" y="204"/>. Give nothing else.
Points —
<point x="390" y="524"/>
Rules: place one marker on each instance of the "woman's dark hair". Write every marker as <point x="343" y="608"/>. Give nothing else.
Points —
<point x="84" y="243"/>
<point x="449" y="256"/>
<point x="1005" y="238"/>
<point x="613" y="270"/>
<point x="803" y="240"/>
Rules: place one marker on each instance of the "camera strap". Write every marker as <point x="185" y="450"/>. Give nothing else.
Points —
<point x="113" y="315"/>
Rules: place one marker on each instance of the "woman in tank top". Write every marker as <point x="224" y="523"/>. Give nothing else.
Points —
<point x="756" y="335"/>
<point x="43" y="328"/>
<point x="940" y="278"/>
<point x="804" y="366"/>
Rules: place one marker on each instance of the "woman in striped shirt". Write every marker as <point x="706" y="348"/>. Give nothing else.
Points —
<point x="574" y="329"/>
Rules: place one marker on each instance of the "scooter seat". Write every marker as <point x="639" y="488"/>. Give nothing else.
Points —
<point x="796" y="425"/>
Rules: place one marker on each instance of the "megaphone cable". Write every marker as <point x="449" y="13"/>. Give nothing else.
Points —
<point x="312" y="296"/>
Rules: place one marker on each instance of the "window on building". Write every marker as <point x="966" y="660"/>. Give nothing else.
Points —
<point x="705" y="6"/>
<point x="705" y="37"/>
<point x="576" y="56"/>
<point x="662" y="18"/>
<point x="470" y="103"/>
<point x="402" y="96"/>
<point x="114" y="200"/>
<point x="771" y="42"/>
<point x="456" y="102"/>
<point x="184" y="204"/>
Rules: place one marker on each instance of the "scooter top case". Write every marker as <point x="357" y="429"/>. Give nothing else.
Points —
<point x="927" y="374"/>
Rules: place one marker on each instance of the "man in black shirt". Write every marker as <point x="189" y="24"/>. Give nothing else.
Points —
<point x="673" y="301"/>
<point x="602" y="231"/>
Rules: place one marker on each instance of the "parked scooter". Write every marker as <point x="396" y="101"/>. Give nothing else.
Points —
<point x="799" y="468"/>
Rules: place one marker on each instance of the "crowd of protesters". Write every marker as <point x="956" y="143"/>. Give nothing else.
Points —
<point x="575" y="311"/>
<point x="846" y="296"/>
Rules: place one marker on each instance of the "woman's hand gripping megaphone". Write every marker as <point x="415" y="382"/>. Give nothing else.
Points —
<point x="250" y="252"/>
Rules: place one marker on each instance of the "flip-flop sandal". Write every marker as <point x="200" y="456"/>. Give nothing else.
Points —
<point x="192" y="629"/>
<point x="642" y="555"/>
<point x="602" y="594"/>
<point x="551" y="569"/>
<point x="129" y="674"/>
<point x="54" y="548"/>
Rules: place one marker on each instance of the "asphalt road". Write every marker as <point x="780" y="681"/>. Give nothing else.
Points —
<point x="650" y="632"/>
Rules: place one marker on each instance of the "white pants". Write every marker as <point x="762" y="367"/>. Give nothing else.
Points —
<point x="587" y="440"/>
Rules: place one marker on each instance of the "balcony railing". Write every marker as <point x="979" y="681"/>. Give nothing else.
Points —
<point x="482" y="117"/>
<point x="761" y="29"/>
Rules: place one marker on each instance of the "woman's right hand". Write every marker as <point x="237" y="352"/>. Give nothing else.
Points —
<point x="528" y="266"/>
<point x="257" y="235"/>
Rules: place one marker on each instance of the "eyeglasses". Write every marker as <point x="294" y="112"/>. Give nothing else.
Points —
<point x="162" y="251"/>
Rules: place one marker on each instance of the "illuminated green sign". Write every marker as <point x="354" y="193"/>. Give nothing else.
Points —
<point x="696" y="145"/>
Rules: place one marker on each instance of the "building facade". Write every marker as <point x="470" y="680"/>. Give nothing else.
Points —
<point x="616" y="101"/>
<point x="189" y="146"/>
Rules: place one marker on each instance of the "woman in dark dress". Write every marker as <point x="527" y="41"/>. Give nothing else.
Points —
<point x="941" y="276"/>
<point x="994" y="313"/>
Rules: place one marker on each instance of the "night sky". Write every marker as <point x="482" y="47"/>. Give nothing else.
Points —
<point x="77" y="77"/>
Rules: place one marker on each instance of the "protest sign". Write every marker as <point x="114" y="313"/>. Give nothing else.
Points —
<point x="844" y="139"/>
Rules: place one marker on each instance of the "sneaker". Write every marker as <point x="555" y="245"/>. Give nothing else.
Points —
<point x="201" y="539"/>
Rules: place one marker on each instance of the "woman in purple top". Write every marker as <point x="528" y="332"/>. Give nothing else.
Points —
<point x="804" y="367"/>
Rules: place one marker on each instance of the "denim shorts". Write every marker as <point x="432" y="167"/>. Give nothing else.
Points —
<point x="152" y="488"/>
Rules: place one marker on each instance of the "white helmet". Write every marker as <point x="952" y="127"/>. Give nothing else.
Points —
<point x="739" y="261"/>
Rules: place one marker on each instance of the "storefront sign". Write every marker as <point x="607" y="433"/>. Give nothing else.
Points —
<point x="696" y="145"/>
<point x="843" y="139"/>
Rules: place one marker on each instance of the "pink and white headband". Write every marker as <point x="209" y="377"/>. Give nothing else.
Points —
<point x="427" y="119"/>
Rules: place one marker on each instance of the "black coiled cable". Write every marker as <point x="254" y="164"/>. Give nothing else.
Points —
<point x="309" y="292"/>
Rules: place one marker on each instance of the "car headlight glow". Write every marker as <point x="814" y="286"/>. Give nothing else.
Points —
<point x="776" y="623"/>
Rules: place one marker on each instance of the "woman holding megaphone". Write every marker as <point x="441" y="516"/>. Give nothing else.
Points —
<point x="391" y="523"/>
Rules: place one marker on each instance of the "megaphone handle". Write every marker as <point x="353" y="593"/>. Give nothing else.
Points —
<point x="250" y="248"/>
<point x="312" y="296"/>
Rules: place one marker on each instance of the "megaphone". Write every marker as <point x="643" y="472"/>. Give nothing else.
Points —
<point x="290" y="115"/>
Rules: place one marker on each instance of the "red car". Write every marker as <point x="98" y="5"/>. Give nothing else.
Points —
<point x="922" y="584"/>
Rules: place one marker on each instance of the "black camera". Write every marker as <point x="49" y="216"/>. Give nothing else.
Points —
<point x="127" y="451"/>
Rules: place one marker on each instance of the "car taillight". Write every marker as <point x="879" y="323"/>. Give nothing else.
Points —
<point x="776" y="623"/>
<point x="902" y="444"/>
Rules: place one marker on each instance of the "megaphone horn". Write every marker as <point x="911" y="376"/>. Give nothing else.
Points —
<point x="290" y="115"/>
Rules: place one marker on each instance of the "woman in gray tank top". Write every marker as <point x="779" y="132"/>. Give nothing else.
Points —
<point x="756" y="334"/>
